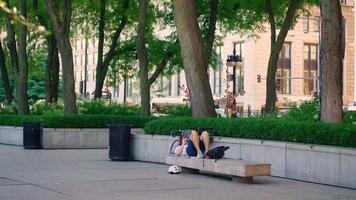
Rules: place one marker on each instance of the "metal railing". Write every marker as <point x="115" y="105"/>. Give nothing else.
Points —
<point x="258" y="113"/>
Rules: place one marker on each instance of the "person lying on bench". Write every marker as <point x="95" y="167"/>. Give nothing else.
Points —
<point x="195" y="146"/>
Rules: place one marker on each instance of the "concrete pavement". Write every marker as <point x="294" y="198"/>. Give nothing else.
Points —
<point x="89" y="175"/>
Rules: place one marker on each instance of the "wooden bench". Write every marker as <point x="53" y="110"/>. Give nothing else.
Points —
<point x="240" y="170"/>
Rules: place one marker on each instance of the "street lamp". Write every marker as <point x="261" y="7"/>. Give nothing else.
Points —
<point x="234" y="61"/>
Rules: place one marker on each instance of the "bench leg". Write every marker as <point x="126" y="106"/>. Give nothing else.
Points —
<point x="242" y="179"/>
<point x="190" y="170"/>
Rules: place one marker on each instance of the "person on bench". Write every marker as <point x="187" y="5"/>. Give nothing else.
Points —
<point x="197" y="145"/>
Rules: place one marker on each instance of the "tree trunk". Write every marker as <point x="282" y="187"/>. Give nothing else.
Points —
<point x="98" y="86"/>
<point x="21" y="84"/>
<point x="214" y="6"/>
<point x="331" y="61"/>
<point x="194" y="59"/>
<point x="103" y="65"/>
<point x="5" y="76"/>
<point x="55" y="74"/>
<point x="65" y="49"/>
<point x="67" y="16"/>
<point x="11" y="44"/>
<point x="52" y="65"/>
<point x="48" y="84"/>
<point x="276" y="47"/>
<point x="143" y="58"/>
<point x="160" y="67"/>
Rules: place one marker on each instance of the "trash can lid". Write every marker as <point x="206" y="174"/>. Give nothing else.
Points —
<point x="120" y="125"/>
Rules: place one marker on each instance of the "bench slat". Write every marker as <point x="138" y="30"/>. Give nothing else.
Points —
<point x="241" y="168"/>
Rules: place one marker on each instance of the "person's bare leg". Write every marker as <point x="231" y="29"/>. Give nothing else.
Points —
<point x="194" y="137"/>
<point x="206" y="140"/>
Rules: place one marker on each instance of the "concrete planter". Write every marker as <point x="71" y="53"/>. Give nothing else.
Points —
<point x="314" y="163"/>
<point x="11" y="135"/>
<point x="89" y="138"/>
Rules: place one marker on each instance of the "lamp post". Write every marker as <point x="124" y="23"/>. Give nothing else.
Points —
<point x="233" y="61"/>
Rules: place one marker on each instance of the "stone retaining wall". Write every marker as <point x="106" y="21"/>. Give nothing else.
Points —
<point x="314" y="163"/>
<point x="89" y="138"/>
<point x="11" y="135"/>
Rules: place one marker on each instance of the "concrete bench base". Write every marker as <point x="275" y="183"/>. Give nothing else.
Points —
<point x="240" y="170"/>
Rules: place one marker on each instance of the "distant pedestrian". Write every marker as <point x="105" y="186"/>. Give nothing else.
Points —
<point x="230" y="104"/>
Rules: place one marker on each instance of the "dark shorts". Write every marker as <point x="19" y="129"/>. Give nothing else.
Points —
<point x="191" y="151"/>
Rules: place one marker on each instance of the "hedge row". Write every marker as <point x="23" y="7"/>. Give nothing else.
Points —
<point x="264" y="129"/>
<point x="75" y="121"/>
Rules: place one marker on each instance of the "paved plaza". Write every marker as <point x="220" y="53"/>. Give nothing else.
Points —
<point x="89" y="175"/>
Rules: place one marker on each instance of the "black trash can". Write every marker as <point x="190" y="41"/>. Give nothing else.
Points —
<point x="120" y="142"/>
<point x="32" y="138"/>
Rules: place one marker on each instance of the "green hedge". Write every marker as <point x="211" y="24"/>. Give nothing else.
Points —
<point x="75" y="121"/>
<point x="178" y="110"/>
<point x="350" y="117"/>
<point x="264" y="129"/>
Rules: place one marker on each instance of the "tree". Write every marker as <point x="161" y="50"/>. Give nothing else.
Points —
<point x="331" y="54"/>
<point x="11" y="42"/>
<point x="61" y="32"/>
<point x="276" y="46"/>
<point x="280" y="14"/>
<point x="103" y="63"/>
<point x="194" y="58"/>
<point x="5" y="76"/>
<point x="18" y="57"/>
<point x="213" y="18"/>
<point x="22" y="77"/>
<point x="213" y="14"/>
<point x="52" y="64"/>
<point x="143" y="58"/>
<point x="142" y="54"/>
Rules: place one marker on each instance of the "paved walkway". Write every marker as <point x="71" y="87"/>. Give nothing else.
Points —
<point x="89" y="175"/>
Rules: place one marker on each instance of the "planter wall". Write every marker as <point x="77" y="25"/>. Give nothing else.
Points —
<point x="314" y="163"/>
<point x="11" y="135"/>
<point x="89" y="138"/>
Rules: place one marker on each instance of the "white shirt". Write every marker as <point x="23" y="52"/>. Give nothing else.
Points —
<point x="184" y="152"/>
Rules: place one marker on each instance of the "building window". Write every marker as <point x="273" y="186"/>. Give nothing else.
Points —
<point x="89" y="75"/>
<point x="306" y="24"/>
<point x="170" y="86"/>
<point x="117" y="90"/>
<point x="93" y="59"/>
<point x="178" y="84"/>
<point x="75" y="76"/>
<point x="240" y="69"/>
<point x="82" y="43"/>
<point x="75" y="60"/>
<point x="283" y="74"/>
<point x="93" y="42"/>
<point x="129" y="88"/>
<point x="217" y="75"/>
<point x="311" y="24"/>
<point x="81" y="60"/>
<point x="217" y="81"/>
<point x="94" y="74"/>
<point x="126" y="87"/>
<point x="310" y="68"/>
<point x="160" y="86"/>
<point x="75" y="43"/>
<point x="343" y="2"/>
